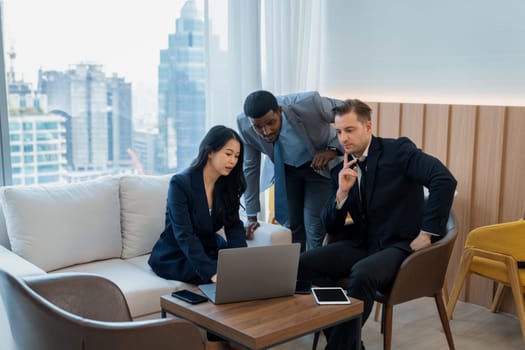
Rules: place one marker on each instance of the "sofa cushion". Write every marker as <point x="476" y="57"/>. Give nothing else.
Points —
<point x="141" y="262"/>
<point x="141" y="287"/>
<point x="54" y="226"/>
<point x="269" y="234"/>
<point x="143" y="208"/>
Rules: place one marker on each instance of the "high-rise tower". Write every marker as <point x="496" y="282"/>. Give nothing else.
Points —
<point x="89" y="122"/>
<point x="99" y="115"/>
<point x="119" y="120"/>
<point x="37" y="138"/>
<point x="182" y="104"/>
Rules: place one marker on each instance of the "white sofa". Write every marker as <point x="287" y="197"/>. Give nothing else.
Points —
<point x="106" y="226"/>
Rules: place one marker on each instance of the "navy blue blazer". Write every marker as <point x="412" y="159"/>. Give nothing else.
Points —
<point x="395" y="208"/>
<point x="187" y="249"/>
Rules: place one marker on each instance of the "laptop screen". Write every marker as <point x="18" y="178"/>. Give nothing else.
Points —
<point x="256" y="273"/>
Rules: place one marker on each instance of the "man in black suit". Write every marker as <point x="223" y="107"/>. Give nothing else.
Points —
<point x="380" y="184"/>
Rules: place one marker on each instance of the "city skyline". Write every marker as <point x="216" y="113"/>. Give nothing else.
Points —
<point x="76" y="126"/>
<point x="99" y="32"/>
<point x="97" y="109"/>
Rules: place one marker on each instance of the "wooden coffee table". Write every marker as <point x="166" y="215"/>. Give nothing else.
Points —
<point x="260" y="324"/>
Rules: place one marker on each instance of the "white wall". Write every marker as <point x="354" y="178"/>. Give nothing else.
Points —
<point x="448" y="51"/>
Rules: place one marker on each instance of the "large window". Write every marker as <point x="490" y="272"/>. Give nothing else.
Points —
<point x="97" y="87"/>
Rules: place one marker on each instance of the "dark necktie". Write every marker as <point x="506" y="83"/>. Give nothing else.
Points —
<point x="362" y="184"/>
<point x="279" y="193"/>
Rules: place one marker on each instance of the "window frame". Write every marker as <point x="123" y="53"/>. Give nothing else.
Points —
<point x="5" y="151"/>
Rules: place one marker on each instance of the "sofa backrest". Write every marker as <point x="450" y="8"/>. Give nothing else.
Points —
<point x="142" y="212"/>
<point x="54" y="226"/>
<point x="133" y="204"/>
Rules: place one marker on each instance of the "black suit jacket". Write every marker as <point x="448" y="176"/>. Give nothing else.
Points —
<point x="187" y="249"/>
<point x="395" y="208"/>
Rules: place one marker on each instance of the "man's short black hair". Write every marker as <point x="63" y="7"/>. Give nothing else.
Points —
<point x="260" y="102"/>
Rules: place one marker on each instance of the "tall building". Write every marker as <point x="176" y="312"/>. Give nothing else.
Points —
<point x="99" y="115"/>
<point x="81" y="95"/>
<point x="181" y="98"/>
<point x="120" y="126"/>
<point x="37" y="139"/>
<point x="38" y="148"/>
<point x="56" y="86"/>
<point x="21" y="99"/>
<point x="88" y="124"/>
<point x="143" y="152"/>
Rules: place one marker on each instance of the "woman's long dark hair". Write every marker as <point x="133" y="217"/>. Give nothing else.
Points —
<point x="229" y="189"/>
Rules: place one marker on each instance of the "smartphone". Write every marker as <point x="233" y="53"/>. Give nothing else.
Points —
<point x="189" y="296"/>
<point x="330" y="296"/>
<point x="303" y="287"/>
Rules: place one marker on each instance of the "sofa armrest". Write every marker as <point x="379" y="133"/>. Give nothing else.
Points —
<point x="270" y="234"/>
<point x="16" y="265"/>
<point x="153" y="334"/>
<point x="86" y="295"/>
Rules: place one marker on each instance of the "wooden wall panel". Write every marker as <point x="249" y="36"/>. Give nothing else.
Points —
<point x="513" y="182"/>
<point x="389" y="117"/>
<point x="413" y="122"/>
<point x="461" y="164"/>
<point x="487" y="186"/>
<point x="374" y="116"/>
<point x="436" y="131"/>
<point x="488" y="167"/>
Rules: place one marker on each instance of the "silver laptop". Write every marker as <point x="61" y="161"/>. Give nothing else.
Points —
<point x="254" y="273"/>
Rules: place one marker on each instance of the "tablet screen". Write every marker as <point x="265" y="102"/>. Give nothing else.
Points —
<point x="334" y="295"/>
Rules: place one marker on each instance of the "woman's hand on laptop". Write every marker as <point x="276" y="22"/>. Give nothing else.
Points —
<point x="214" y="278"/>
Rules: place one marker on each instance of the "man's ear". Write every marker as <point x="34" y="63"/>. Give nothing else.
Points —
<point x="368" y="126"/>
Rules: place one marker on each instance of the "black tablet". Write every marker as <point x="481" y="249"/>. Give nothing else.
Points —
<point x="330" y="295"/>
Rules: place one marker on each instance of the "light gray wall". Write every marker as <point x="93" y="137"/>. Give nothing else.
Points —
<point x="448" y="51"/>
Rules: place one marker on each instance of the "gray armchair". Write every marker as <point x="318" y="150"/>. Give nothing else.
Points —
<point x="83" y="311"/>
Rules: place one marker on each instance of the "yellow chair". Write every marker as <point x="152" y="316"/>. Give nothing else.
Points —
<point x="494" y="252"/>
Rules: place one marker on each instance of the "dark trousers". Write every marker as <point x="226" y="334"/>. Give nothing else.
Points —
<point x="307" y="193"/>
<point x="368" y="273"/>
